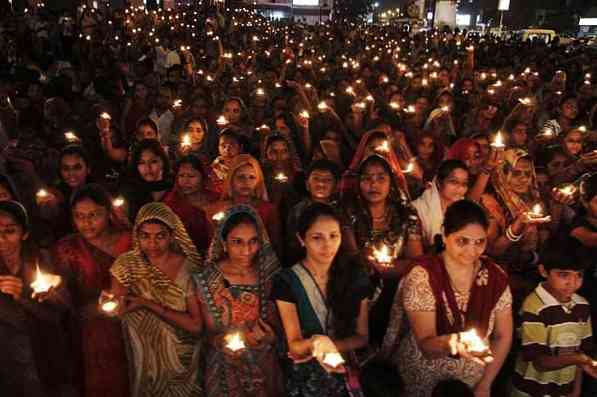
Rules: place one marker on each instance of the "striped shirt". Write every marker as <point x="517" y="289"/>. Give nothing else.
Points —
<point x="550" y="327"/>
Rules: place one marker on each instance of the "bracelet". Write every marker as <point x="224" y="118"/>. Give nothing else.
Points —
<point x="513" y="237"/>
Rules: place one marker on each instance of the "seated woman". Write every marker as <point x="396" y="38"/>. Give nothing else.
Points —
<point x="233" y="291"/>
<point x="160" y="314"/>
<point x="378" y="220"/>
<point x="323" y="303"/>
<point x="429" y="154"/>
<point x="449" y="185"/>
<point x="84" y="259"/>
<point x="577" y="160"/>
<point x="514" y="237"/>
<point x="188" y="198"/>
<point x="245" y="185"/>
<point x="192" y="139"/>
<point x="443" y="296"/>
<point x="35" y="356"/>
<point x="229" y="146"/>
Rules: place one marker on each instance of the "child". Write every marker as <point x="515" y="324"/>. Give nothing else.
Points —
<point x="556" y="328"/>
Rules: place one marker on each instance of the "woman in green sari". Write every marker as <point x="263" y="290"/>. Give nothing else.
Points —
<point x="323" y="303"/>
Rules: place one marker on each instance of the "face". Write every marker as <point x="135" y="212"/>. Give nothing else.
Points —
<point x="150" y="166"/>
<point x="561" y="283"/>
<point x="421" y="105"/>
<point x="140" y="92"/>
<point x="556" y="164"/>
<point x="145" y="131"/>
<point x="573" y="143"/>
<point x="483" y="146"/>
<point x="445" y="100"/>
<point x="232" y="112"/>
<point x="455" y="186"/>
<point x="490" y="111"/>
<point x="467" y="85"/>
<point x="244" y="181"/>
<point x="228" y="147"/>
<point x="472" y="159"/>
<point x="280" y="125"/>
<point x="154" y="239"/>
<point x="164" y="98"/>
<point x="425" y="148"/>
<point x="196" y="132"/>
<point x="520" y="176"/>
<point x="519" y="134"/>
<point x="569" y="109"/>
<point x="375" y="183"/>
<point x="73" y="170"/>
<point x="188" y="179"/>
<point x="466" y="245"/>
<point x="90" y="218"/>
<point x="321" y="184"/>
<point x="12" y="235"/>
<point x="5" y="194"/>
<point x="322" y="240"/>
<point x="374" y="144"/>
<point x="278" y="151"/>
<point x="242" y="244"/>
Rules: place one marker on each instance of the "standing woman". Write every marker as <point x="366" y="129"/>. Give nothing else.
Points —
<point x="84" y="259"/>
<point x="233" y="290"/>
<point x="161" y="317"/>
<point x="443" y="296"/>
<point x="323" y="303"/>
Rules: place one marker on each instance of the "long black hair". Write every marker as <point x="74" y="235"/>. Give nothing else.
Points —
<point x="341" y="299"/>
<point x="459" y="215"/>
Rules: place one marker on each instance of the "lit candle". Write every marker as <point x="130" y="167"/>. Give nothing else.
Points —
<point x="118" y="202"/>
<point x="525" y="101"/>
<point x="260" y="92"/>
<point x="235" y="342"/>
<point x="384" y="147"/>
<point x="304" y="114"/>
<point x="473" y="342"/>
<point x="322" y="106"/>
<point x="582" y="128"/>
<point x="222" y="121"/>
<point x="218" y="216"/>
<point x="548" y="132"/>
<point x="108" y="303"/>
<point x="42" y="194"/>
<point x="369" y="98"/>
<point x="536" y="212"/>
<point x="382" y="255"/>
<point x="43" y="282"/>
<point x="568" y="190"/>
<point x="395" y="105"/>
<point x="105" y="116"/>
<point x="333" y="359"/>
<point x="498" y="142"/>
<point x="409" y="168"/>
<point x="445" y="108"/>
<point x="177" y="103"/>
<point x="70" y="136"/>
<point x="281" y="177"/>
<point x="350" y="91"/>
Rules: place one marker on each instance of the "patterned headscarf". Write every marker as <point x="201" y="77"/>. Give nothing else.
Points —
<point x="240" y="161"/>
<point x="135" y="259"/>
<point x="265" y="259"/>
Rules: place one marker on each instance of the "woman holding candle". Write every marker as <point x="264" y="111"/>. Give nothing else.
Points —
<point x="233" y="291"/>
<point x="429" y="154"/>
<point x="229" y="146"/>
<point x="577" y="160"/>
<point x="566" y="113"/>
<point x="84" y="259"/>
<point x="323" y="303"/>
<point x="379" y="218"/>
<point x="282" y="171"/>
<point x="35" y="359"/>
<point x="193" y="139"/>
<point x="160" y="313"/>
<point x="442" y="297"/>
<point x="245" y="184"/>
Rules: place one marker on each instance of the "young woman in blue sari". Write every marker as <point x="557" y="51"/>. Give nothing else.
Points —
<point x="323" y="304"/>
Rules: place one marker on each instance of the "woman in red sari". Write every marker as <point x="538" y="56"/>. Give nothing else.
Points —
<point x="85" y="259"/>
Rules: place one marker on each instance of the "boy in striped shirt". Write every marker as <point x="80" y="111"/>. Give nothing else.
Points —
<point x="556" y="328"/>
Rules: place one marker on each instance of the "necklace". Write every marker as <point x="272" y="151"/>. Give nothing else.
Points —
<point x="382" y="216"/>
<point x="236" y="271"/>
<point x="453" y="284"/>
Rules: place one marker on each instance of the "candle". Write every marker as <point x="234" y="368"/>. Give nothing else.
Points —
<point x="218" y="216"/>
<point x="108" y="303"/>
<point x="568" y="190"/>
<point x="369" y="98"/>
<point x="536" y="213"/>
<point x="235" y="342"/>
<point x="473" y="342"/>
<point x="260" y="92"/>
<point x="333" y="359"/>
<point x="70" y="136"/>
<point x="445" y="108"/>
<point x="105" y="116"/>
<point x="322" y="106"/>
<point x="498" y="142"/>
<point x="42" y="194"/>
<point x="582" y="128"/>
<point x="281" y="177"/>
<point x="118" y="202"/>
<point x="395" y="105"/>
<point x="409" y="168"/>
<point x="410" y="109"/>
<point x="548" y="133"/>
<point x="186" y="141"/>
<point x="304" y="114"/>
<point x="350" y="91"/>
<point x="382" y="255"/>
<point x="177" y="103"/>
<point x="384" y="147"/>
<point x="222" y="121"/>
<point x="43" y="282"/>
<point x="525" y="101"/>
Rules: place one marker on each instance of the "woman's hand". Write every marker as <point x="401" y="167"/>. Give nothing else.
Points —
<point x="322" y="345"/>
<point x="495" y="158"/>
<point x="11" y="285"/>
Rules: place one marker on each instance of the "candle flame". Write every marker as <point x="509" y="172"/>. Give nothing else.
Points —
<point x="42" y="193"/>
<point x="382" y="255"/>
<point x="235" y="342"/>
<point x="218" y="216"/>
<point x="186" y="140"/>
<point x="473" y="342"/>
<point x="43" y="282"/>
<point x="395" y="105"/>
<point x="537" y="210"/>
<point x="177" y="103"/>
<point x="322" y="106"/>
<point x="118" y="202"/>
<point x="222" y="120"/>
<point x="333" y="359"/>
<point x="281" y="177"/>
<point x="525" y="101"/>
<point x="568" y="190"/>
<point x="498" y="142"/>
<point x="409" y="168"/>
<point x="305" y="114"/>
<point x="105" y="116"/>
<point x="70" y="136"/>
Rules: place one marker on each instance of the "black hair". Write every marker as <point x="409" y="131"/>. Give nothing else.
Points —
<point x="564" y="253"/>
<point x="94" y="192"/>
<point x="157" y="149"/>
<point x="147" y="121"/>
<point x="16" y="211"/>
<point x="452" y="387"/>
<point x="375" y="159"/>
<point x="459" y="215"/>
<point x="343" y="272"/>
<point x="242" y="218"/>
<point x="324" y="165"/>
<point x="588" y="188"/>
<point x="447" y="167"/>
<point x="195" y="162"/>
<point x="75" y="150"/>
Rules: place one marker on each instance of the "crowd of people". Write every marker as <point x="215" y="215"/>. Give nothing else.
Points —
<point x="205" y="202"/>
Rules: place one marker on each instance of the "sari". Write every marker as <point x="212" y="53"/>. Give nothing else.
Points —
<point x="194" y="218"/>
<point x="229" y="307"/>
<point x="427" y="288"/>
<point x="98" y="338"/>
<point x="163" y="359"/>
<point x="349" y="181"/>
<point x="309" y="379"/>
<point x="429" y="209"/>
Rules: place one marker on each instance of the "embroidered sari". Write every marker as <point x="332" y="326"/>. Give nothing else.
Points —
<point x="310" y="379"/>
<point x="163" y="358"/>
<point x="100" y="341"/>
<point x="230" y="307"/>
<point x="427" y="289"/>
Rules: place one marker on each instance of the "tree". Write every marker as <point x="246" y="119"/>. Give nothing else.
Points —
<point x="352" y="10"/>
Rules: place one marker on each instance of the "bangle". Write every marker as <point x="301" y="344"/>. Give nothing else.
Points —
<point x="513" y="237"/>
